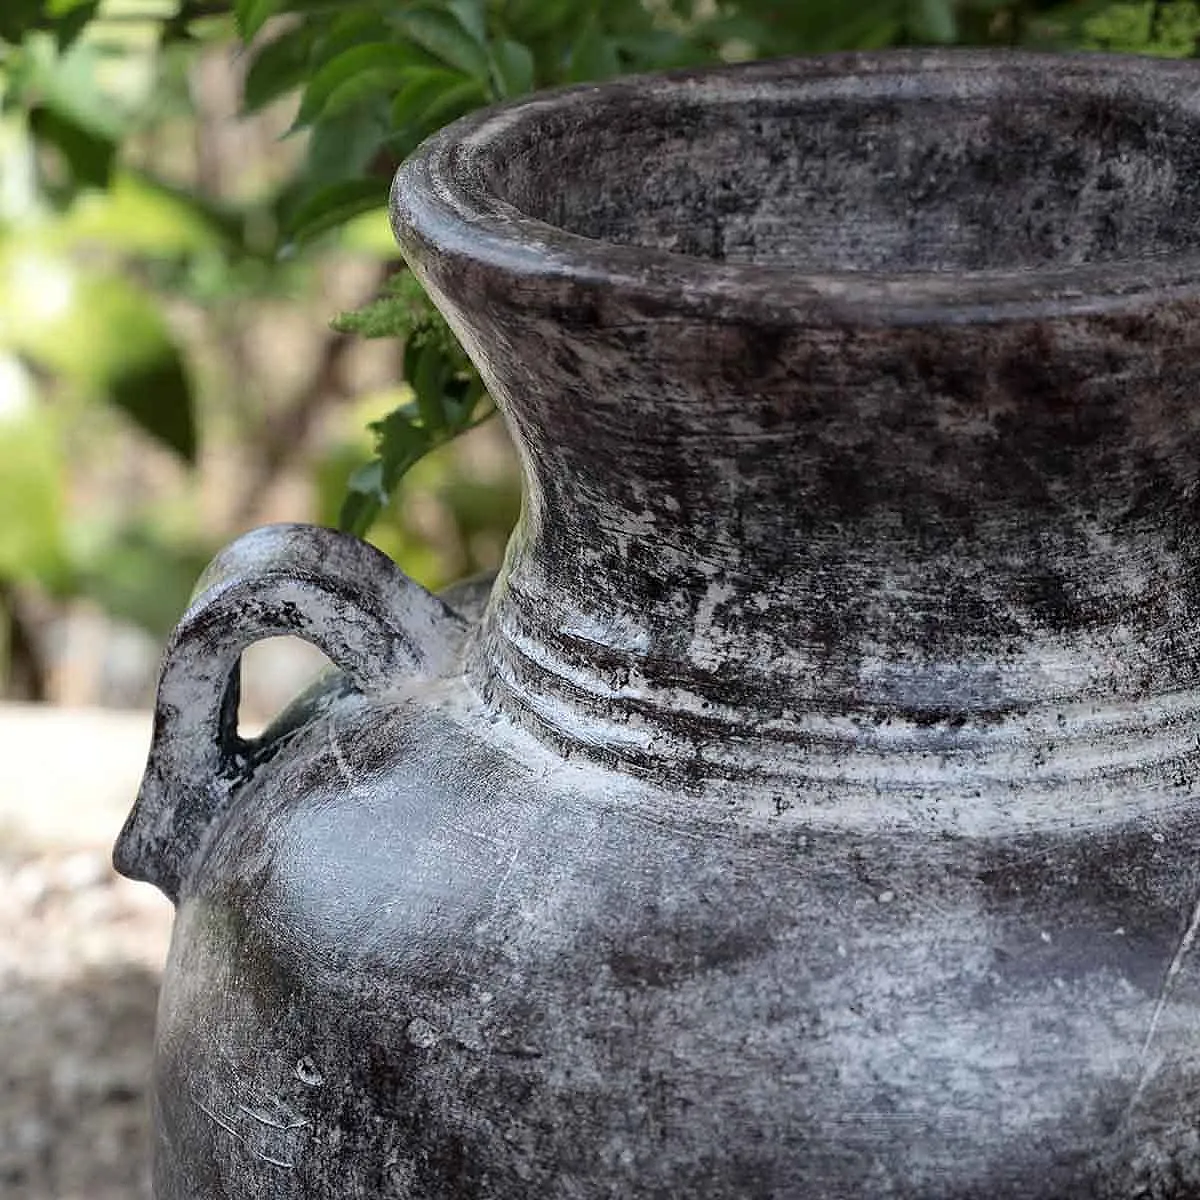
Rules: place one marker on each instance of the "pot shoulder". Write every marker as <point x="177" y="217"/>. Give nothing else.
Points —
<point x="416" y="962"/>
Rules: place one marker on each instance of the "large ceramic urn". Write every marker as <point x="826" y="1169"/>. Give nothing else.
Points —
<point x="811" y="808"/>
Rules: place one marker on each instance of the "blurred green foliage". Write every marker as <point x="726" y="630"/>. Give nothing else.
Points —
<point x="97" y="234"/>
<point x="1166" y="30"/>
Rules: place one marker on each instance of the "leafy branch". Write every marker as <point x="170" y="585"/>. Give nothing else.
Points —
<point x="371" y="79"/>
<point x="448" y="397"/>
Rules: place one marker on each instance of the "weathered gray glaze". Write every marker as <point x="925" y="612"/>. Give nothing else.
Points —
<point x="813" y="811"/>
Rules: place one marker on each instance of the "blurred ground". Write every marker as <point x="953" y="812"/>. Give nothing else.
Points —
<point x="80" y="955"/>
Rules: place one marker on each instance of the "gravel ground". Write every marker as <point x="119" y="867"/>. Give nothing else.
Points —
<point x="80" y="955"/>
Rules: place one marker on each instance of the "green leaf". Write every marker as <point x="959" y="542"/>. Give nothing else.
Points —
<point x="335" y="204"/>
<point x="433" y="98"/>
<point x="103" y="334"/>
<point x="369" y="234"/>
<point x="152" y="387"/>
<point x="354" y="26"/>
<point x="471" y="15"/>
<point x="460" y="401"/>
<point x="656" y="49"/>
<point x="355" y="73"/>
<point x="536" y="19"/>
<point x="1165" y="30"/>
<point x="445" y="37"/>
<point x="421" y="87"/>
<point x="70" y="19"/>
<point x="364" y="500"/>
<point x="342" y="147"/>
<point x="593" y="58"/>
<point x="57" y="9"/>
<point x="70" y="85"/>
<point x="402" y="444"/>
<point x="87" y="153"/>
<point x="132" y="358"/>
<point x="428" y="372"/>
<point x="277" y="68"/>
<point x="140" y="215"/>
<point x="138" y="573"/>
<point x="252" y="15"/>
<point x="1176" y="30"/>
<point x="512" y="68"/>
<point x="935" y="20"/>
<point x="17" y="17"/>
<point x="32" y="467"/>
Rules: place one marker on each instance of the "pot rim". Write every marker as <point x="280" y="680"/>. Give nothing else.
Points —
<point x="443" y="205"/>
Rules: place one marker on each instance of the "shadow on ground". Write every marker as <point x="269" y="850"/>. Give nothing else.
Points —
<point x="80" y="954"/>
<point x="74" y="1070"/>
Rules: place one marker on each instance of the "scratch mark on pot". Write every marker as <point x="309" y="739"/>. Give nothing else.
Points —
<point x="508" y="870"/>
<point x="1147" y="1067"/>
<point x="478" y="834"/>
<point x="275" y="1162"/>
<point x="226" y="1122"/>
<point x="225" y="1125"/>
<point x="263" y="1119"/>
<point x="336" y="750"/>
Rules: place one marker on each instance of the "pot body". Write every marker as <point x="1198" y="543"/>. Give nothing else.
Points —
<point x="416" y="960"/>
<point x="809" y="809"/>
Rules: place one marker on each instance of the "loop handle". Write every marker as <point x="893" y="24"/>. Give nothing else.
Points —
<point x="340" y="594"/>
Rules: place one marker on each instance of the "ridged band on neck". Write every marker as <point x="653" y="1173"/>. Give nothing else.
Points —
<point x="1052" y="763"/>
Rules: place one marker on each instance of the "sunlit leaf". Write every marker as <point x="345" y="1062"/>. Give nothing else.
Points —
<point x="139" y="215"/>
<point x="106" y="336"/>
<point x="57" y="9"/>
<point x="70" y="84"/>
<point x="32" y="467"/>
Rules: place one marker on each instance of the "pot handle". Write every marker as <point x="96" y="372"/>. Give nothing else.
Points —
<point x="330" y="589"/>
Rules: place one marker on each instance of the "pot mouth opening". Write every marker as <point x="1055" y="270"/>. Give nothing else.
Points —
<point x="893" y="183"/>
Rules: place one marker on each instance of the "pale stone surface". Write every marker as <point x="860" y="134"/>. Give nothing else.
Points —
<point x="68" y="776"/>
<point x="80" y="954"/>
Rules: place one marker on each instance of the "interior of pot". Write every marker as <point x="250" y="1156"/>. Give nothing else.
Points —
<point x="1013" y="172"/>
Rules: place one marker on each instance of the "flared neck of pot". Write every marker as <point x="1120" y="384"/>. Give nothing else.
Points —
<point x="735" y="537"/>
<point x="856" y="398"/>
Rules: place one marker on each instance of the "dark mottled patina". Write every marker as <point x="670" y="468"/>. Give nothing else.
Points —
<point x="811" y="810"/>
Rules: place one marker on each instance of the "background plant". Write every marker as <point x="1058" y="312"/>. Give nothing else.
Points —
<point x="153" y="241"/>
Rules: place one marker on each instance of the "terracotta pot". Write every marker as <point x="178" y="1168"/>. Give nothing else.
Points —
<point x="812" y="811"/>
